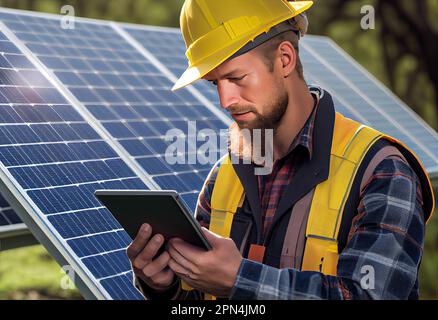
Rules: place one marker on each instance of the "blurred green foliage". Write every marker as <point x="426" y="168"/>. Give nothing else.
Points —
<point x="31" y="273"/>
<point x="429" y="265"/>
<point x="400" y="64"/>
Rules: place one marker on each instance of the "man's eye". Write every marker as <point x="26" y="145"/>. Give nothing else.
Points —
<point x="237" y="78"/>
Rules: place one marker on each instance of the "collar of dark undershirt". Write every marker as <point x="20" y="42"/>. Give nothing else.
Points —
<point x="305" y="137"/>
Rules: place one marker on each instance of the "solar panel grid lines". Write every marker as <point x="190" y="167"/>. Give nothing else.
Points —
<point x="382" y="88"/>
<point x="135" y="142"/>
<point x="398" y="130"/>
<point x="7" y="215"/>
<point x="349" y="102"/>
<point x="60" y="217"/>
<point x="9" y="184"/>
<point x="57" y="194"/>
<point x="158" y="41"/>
<point x="163" y="68"/>
<point x="83" y="111"/>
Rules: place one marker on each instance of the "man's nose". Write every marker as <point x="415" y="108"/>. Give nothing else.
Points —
<point x="228" y="95"/>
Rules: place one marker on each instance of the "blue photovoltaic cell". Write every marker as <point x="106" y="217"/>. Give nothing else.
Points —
<point x="7" y="215"/>
<point x="366" y="100"/>
<point x="128" y="95"/>
<point x="348" y="94"/>
<point x="158" y="41"/>
<point x="58" y="161"/>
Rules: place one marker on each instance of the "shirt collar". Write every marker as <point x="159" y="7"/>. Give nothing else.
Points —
<point x="305" y="137"/>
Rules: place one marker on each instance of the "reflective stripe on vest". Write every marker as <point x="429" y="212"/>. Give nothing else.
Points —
<point x="350" y="143"/>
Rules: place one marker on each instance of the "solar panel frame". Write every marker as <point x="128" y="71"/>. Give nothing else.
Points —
<point x="5" y="217"/>
<point x="15" y="236"/>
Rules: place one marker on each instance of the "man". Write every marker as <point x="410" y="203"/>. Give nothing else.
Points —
<point x="341" y="213"/>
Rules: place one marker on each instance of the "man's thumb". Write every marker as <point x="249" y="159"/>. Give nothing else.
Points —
<point x="212" y="237"/>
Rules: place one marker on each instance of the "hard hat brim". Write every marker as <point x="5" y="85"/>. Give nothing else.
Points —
<point x="196" y="72"/>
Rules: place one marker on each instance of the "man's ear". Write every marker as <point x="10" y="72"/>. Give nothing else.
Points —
<point x="288" y="56"/>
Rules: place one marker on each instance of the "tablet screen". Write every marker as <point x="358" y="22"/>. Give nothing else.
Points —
<point x="164" y="210"/>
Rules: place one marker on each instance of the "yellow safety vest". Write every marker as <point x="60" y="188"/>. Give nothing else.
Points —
<point x="350" y="143"/>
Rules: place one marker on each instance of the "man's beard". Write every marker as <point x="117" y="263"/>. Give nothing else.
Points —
<point x="271" y="120"/>
<point x="245" y="146"/>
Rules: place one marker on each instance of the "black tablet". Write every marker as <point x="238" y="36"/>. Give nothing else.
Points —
<point x="164" y="210"/>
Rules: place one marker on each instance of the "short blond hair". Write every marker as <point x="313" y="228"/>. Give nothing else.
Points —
<point x="268" y="50"/>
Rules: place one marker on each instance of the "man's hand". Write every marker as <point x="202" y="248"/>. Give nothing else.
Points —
<point x="141" y="253"/>
<point x="213" y="271"/>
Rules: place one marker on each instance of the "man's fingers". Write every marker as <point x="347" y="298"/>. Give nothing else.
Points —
<point x="156" y="266"/>
<point x="166" y="276"/>
<point x="175" y="255"/>
<point x="177" y="268"/>
<point x="140" y="241"/>
<point x="188" y="251"/>
<point x="149" y="251"/>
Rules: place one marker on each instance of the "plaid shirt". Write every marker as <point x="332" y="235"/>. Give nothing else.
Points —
<point x="383" y="253"/>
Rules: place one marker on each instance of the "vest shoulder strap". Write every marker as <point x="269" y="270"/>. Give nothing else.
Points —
<point x="351" y="142"/>
<point x="226" y="198"/>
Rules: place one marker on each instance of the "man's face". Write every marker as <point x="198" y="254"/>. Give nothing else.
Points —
<point x="254" y="96"/>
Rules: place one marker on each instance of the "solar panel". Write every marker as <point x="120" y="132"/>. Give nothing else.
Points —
<point x="52" y="161"/>
<point x="167" y="45"/>
<point x="13" y="232"/>
<point x="7" y="215"/>
<point x="125" y="92"/>
<point x="367" y="100"/>
<point x="356" y="93"/>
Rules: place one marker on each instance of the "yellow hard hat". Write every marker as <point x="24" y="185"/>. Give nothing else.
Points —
<point x="214" y="30"/>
